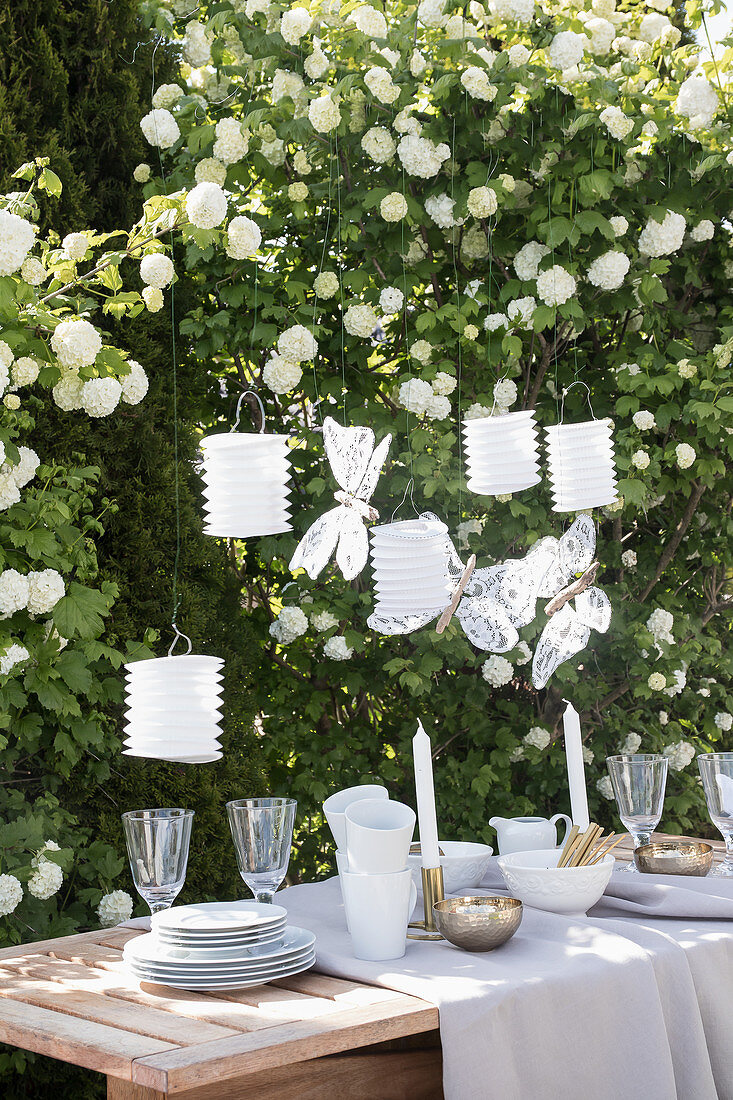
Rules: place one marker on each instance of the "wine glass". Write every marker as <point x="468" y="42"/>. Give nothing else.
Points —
<point x="716" y="769"/>
<point x="262" y="830"/>
<point x="157" y="847"/>
<point x="638" y="781"/>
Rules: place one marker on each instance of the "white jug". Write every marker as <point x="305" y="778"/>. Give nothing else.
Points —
<point x="528" y="834"/>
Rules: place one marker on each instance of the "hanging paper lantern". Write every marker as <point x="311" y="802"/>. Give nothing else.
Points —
<point x="410" y="562"/>
<point x="173" y="709"/>
<point x="581" y="465"/>
<point x="501" y="453"/>
<point x="246" y="478"/>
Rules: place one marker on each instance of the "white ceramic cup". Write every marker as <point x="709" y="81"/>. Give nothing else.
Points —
<point x="378" y="836"/>
<point x="378" y="909"/>
<point x="335" y="806"/>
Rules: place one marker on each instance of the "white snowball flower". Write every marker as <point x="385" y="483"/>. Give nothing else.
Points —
<point x="477" y="412"/>
<point x="496" y="321"/>
<point x="440" y="209"/>
<point x="14" y="655"/>
<point x="679" y="683"/>
<point x="525" y="654"/>
<point x="67" y="393"/>
<point x="14" y="592"/>
<point x="619" y="225"/>
<point x="244" y="237"/>
<point x="640" y="459"/>
<point x="323" y="620"/>
<point x="75" y="245"/>
<point x="206" y="205"/>
<point x="497" y="671"/>
<point x="391" y="299"/>
<point x="609" y="270"/>
<point x="11" y="894"/>
<point x="6" y="357"/>
<point x="518" y="55"/>
<point x="566" y="49"/>
<point x="76" y="343"/>
<point x="16" y="240"/>
<point x="25" y="371"/>
<point x="393" y="207"/>
<point x="421" y="350"/>
<point x="420" y="157"/>
<point x="141" y="173"/>
<point x="196" y="45"/>
<point x="290" y="624"/>
<point x="652" y="27"/>
<point x="438" y="407"/>
<point x="644" y="420"/>
<point x="9" y="491"/>
<point x="602" y="33"/>
<point x="657" y="682"/>
<point x="160" y="128"/>
<point x="316" y="64"/>
<point x="100" y="396"/>
<point x="478" y="85"/>
<point x="45" y="589"/>
<point x="505" y="392"/>
<point x="444" y="383"/>
<point x="686" y="455"/>
<point x="369" y="21"/>
<point x="631" y="744"/>
<point x="697" y="100"/>
<point x="723" y="721"/>
<point x="527" y="260"/>
<point x="114" y="908"/>
<point x="466" y="528"/>
<point x="210" y="170"/>
<point x="286" y="85"/>
<point x="297" y="344"/>
<point x="512" y="11"/>
<point x="167" y="95"/>
<point x="475" y="245"/>
<point x="360" y="320"/>
<point x="616" y="122"/>
<point x="605" y="787"/>
<point x="32" y="271"/>
<point x="134" y="384"/>
<point x="703" y="231"/>
<point x="153" y="298"/>
<point x="281" y="375"/>
<point x="324" y="114"/>
<point x="538" y="737"/>
<point x="46" y="880"/>
<point x="663" y="718"/>
<point x="628" y="559"/>
<point x="686" y="369"/>
<point x="680" y="755"/>
<point x="326" y="284"/>
<point x="231" y="143"/>
<point x="156" y="269"/>
<point x="431" y="13"/>
<point x="662" y="238"/>
<point x="379" y="144"/>
<point x="555" y="285"/>
<point x="379" y="83"/>
<point x="336" y="649"/>
<point x="482" y="202"/>
<point x="415" y="395"/>
<point x="418" y="64"/>
<point x="521" y="310"/>
<point x="294" y="24"/>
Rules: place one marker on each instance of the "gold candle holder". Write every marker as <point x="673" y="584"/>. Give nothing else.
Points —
<point x="432" y="891"/>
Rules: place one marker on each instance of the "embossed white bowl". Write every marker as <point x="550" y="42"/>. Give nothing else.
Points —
<point x="464" y="865"/>
<point x="536" y="880"/>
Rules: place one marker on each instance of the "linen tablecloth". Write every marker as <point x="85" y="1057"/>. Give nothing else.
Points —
<point x="633" y="1002"/>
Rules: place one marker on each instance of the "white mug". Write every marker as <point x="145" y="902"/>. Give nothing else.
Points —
<point x="342" y="862"/>
<point x="378" y="909"/>
<point x="336" y="804"/>
<point x="378" y="836"/>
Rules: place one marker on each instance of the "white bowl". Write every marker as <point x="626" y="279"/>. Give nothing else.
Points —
<point x="536" y="880"/>
<point x="464" y="865"/>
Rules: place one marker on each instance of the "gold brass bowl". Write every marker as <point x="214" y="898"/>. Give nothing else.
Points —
<point x="477" y="923"/>
<point x="674" y="857"/>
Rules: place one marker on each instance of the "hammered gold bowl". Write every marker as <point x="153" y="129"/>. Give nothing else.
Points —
<point x="477" y="923"/>
<point x="674" y="857"/>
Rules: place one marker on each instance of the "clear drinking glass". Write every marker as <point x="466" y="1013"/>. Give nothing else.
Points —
<point x="157" y="847"/>
<point x="716" y="769"/>
<point x="638" y="781"/>
<point x="262" y="830"/>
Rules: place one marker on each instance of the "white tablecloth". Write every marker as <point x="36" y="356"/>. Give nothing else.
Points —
<point x="626" y="1004"/>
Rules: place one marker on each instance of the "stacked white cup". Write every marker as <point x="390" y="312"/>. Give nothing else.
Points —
<point x="501" y="453"/>
<point x="582" y="469"/>
<point x="173" y="709"/>
<point x="373" y="835"/>
<point x="247" y="484"/>
<point x="410" y="564"/>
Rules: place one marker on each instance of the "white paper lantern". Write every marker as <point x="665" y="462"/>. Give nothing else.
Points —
<point x="501" y="453"/>
<point x="174" y="709"/>
<point x="410" y="560"/>
<point x="247" y="484"/>
<point x="581" y="465"/>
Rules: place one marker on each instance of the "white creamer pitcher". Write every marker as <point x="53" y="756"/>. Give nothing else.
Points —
<point x="528" y="834"/>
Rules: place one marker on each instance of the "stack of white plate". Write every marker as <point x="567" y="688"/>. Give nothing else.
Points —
<point x="582" y="469"/>
<point x="174" y="709"/>
<point x="501" y="453"/>
<point x="410" y="563"/>
<point x="246" y="478"/>
<point x="222" y="945"/>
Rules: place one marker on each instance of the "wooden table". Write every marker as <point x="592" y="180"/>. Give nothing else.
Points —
<point x="309" y="1037"/>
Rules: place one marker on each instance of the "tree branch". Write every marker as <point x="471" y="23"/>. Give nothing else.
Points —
<point x="671" y="548"/>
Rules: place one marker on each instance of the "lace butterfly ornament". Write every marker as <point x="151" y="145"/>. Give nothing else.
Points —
<point x="356" y="465"/>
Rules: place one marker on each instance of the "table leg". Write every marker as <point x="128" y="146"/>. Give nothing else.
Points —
<point x="126" y="1090"/>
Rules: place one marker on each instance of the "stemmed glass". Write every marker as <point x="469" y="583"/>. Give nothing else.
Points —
<point x="157" y="847"/>
<point x="638" y="781"/>
<point x="716" y="769"/>
<point x="262" y="830"/>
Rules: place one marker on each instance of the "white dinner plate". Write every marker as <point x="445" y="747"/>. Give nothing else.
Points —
<point x="240" y="983"/>
<point x="211" y="948"/>
<point x="147" y="950"/>
<point x="220" y="916"/>
<point x="221" y="973"/>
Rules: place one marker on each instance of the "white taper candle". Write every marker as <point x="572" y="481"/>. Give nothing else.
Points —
<point x="426" y="817"/>
<point x="576" y="768"/>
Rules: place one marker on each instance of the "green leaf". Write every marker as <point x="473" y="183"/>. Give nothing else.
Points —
<point x="79" y="613"/>
<point x="49" y="181"/>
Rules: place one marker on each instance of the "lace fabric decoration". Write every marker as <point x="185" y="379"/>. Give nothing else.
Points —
<point x="356" y="465"/>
